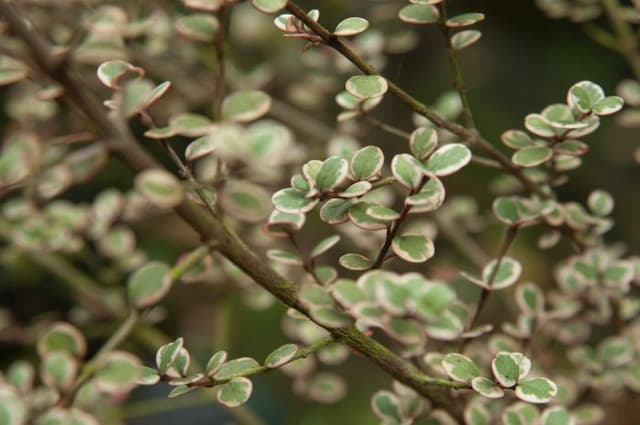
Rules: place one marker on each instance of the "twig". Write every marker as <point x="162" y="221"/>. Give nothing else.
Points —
<point x="219" y="44"/>
<point x="627" y="40"/>
<point x="386" y="127"/>
<point x="456" y="71"/>
<point x="509" y="237"/>
<point x="467" y="246"/>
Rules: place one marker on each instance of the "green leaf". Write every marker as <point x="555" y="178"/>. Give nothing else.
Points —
<point x="78" y="417"/>
<point x="292" y="201"/>
<point x="460" y="368"/>
<point x="355" y="262"/>
<point x="508" y="273"/>
<point x="464" y="39"/>
<point x="608" y="105"/>
<point x="536" y="390"/>
<point x="448" y="159"/>
<point x="556" y="415"/>
<point x="329" y="317"/>
<point x="199" y="148"/>
<point x="430" y="198"/>
<point x="476" y="414"/>
<point x="486" y="387"/>
<point x="62" y="336"/>
<point x="245" y="105"/>
<point x="601" y="202"/>
<point x="186" y="380"/>
<point x="367" y="86"/>
<point x="382" y="213"/>
<point x="392" y="295"/>
<point x="539" y="125"/>
<point x="516" y="139"/>
<point x="347" y="293"/>
<point x="21" y="375"/>
<point x="510" y="211"/>
<point x="465" y="20"/>
<point x="215" y="362"/>
<point x="281" y="223"/>
<point x="284" y="257"/>
<point x="148" y="376"/>
<point x="110" y="72"/>
<point x="351" y="26"/>
<point x="245" y="201"/>
<point x="324" y="246"/>
<point x="356" y="190"/>
<point x="532" y="156"/>
<point x="235" y="392"/>
<point x="506" y="369"/>
<point x="198" y="27"/>
<point x="332" y="173"/>
<point x="167" y="354"/>
<point x="191" y="125"/>
<point x="148" y="285"/>
<point x="58" y="370"/>
<point x="326" y="387"/>
<point x="433" y="299"/>
<point x="367" y="163"/>
<point x="530" y="299"/>
<point x="136" y="96"/>
<point x="584" y="95"/>
<point x="413" y="248"/>
<point x="236" y="367"/>
<point x="423" y="142"/>
<point x="446" y="327"/>
<point x="386" y="406"/>
<point x="269" y="6"/>
<point x="615" y="351"/>
<point x="180" y="367"/>
<point x="335" y="211"/>
<point x="180" y="391"/>
<point x="160" y="188"/>
<point x="358" y="216"/>
<point x="419" y="14"/>
<point x="119" y="373"/>
<point x="281" y="355"/>
<point x="11" y="76"/>
<point x="407" y="170"/>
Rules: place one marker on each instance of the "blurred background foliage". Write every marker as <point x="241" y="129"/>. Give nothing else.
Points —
<point x="523" y="62"/>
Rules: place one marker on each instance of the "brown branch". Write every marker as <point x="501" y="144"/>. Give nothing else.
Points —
<point x="210" y="228"/>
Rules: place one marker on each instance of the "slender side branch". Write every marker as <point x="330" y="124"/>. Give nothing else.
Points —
<point x="456" y="71"/>
<point x="509" y="237"/>
<point x="627" y="43"/>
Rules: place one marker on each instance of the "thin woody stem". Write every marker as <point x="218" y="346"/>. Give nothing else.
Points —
<point x="456" y="71"/>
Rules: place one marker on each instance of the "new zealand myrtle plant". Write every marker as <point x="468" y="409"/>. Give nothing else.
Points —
<point x="118" y="114"/>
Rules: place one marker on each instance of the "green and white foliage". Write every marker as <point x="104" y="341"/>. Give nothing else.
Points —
<point x="552" y="141"/>
<point x="365" y="242"/>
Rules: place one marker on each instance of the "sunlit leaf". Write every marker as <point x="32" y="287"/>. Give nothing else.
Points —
<point x="351" y="26"/>
<point x="367" y="86"/>
<point x="464" y="39"/>
<point x="413" y="248"/>
<point x="149" y="284"/>
<point x="236" y="392"/>
<point x="245" y="106"/>
<point x="419" y="14"/>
